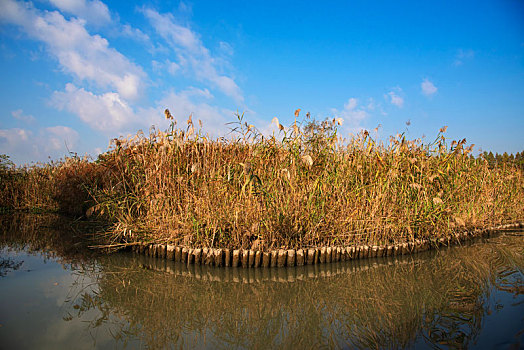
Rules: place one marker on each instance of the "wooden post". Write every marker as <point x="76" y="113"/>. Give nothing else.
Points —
<point x="227" y="257"/>
<point x="251" y="258"/>
<point x="274" y="258"/>
<point x="290" y="257"/>
<point x="266" y="259"/>
<point x="258" y="258"/>
<point x="300" y="257"/>
<point x="170" y="251"/>
<point x="198" y="256"/>
<point x="323" y="253"/>
<point x="245" y="258"/>
<point x="281" y="258"/>
<point x="184" y="255"/>
<point x="236" y="258"/>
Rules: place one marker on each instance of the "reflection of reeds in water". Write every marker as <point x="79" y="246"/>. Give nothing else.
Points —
<point x="361" y="304"/>
<point x="441" y="296"/>
<point x="53" y="235"/>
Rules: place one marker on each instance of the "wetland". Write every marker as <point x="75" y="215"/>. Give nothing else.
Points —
<point x="55" y="293"/>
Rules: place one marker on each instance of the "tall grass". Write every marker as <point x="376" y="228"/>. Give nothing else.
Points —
<point x="303" y="186"/>
<point x="61" y="186"/>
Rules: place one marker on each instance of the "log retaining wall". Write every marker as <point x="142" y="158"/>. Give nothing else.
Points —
<point x="250" y="258"/>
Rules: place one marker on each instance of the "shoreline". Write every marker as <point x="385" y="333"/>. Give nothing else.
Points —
<point x="249" y="258"/>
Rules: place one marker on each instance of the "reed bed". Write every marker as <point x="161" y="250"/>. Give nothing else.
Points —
<point x="304" y="186"/>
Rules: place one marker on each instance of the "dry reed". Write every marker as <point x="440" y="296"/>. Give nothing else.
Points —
<point x="302" y="187"/>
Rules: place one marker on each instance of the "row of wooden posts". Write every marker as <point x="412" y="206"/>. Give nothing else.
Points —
<point x="299" y="257"/>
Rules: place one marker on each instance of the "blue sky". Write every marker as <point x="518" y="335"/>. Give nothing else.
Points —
<point x="76" y="73"/>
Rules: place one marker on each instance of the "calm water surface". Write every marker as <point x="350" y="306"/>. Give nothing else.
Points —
<point x="54" y="295"/>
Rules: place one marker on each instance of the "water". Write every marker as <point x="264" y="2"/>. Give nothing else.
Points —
<point x="54" y="295"/>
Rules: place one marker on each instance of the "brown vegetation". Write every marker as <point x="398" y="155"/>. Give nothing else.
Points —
<point x="303" y="187"/>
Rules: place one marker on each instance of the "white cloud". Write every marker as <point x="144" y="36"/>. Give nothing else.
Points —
<point x="463" y="55"/>
<point x="428" y="88"/>
<point x="24" y="145"/>
<point x="58" y="137"/>
<point x="371" y="104"/>
<point x="172" y="67"/>
<point x="87" y="57"/>
<point x="351" y="115"/>
<point x="107" y="112"/>
<point x="93" y="11"/>
<point x="11" y="136"/>
<point x="192" y="54"/>
<point x="134" y="33"/>
<point x="226" y="49"/>
<point x="395" y="99"/>
<point x="19" y="115"/>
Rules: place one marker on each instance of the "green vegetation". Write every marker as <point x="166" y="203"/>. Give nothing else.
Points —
<point x="505" y="159"/>
<point x="305" y="186"/>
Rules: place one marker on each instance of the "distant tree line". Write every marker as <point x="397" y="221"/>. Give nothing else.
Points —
<point x="505" y="158"/>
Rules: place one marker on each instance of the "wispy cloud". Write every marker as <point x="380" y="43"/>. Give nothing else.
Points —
<point x="352" y="114"/>
<point x="93" y="11"/>
<point x="25" y="118"/>
<point x="25" y="145"/>
<point x="462" y="56"/>
<point x="58" y="137"/>
<point x="192" y="54"/>
<point x="107" y="88"/>
<point x="134" y="33"/>
<point x="87" y="57"/>
<point x="395" y="98"/>
<point x="428" y="88"/>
